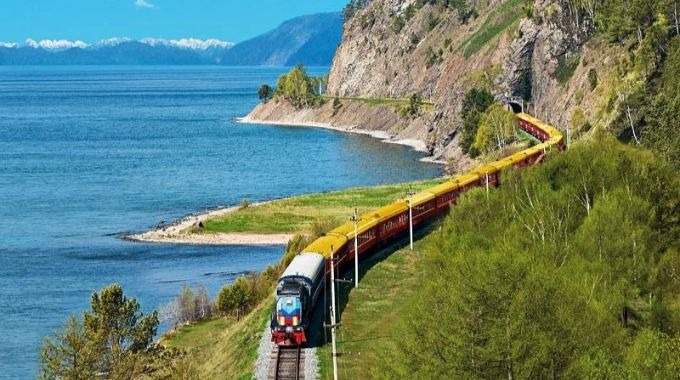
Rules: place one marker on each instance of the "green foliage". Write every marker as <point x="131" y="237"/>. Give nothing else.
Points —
<point x="496" y="23"/>
<point x="265" y="92"/>
<point x="662" y="132"/>
<point x="298" y="88"/>
<point x="566" y="65"/>
<point x="474" y="105"/>
<point x="243" y="295"/>
<point x="111" y="339"/>
<point x="496" y="129"/>
<point x="412" y="109"/>
<point x="551" y="276"/>
<point x="68" y="355"/>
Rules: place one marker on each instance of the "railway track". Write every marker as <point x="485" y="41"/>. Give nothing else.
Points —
<point x="288" y="363"/>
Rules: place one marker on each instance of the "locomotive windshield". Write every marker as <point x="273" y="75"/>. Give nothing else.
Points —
<point x="288" y="310"/>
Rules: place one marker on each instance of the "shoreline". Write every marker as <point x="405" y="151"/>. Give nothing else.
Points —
<point x="415" y="144"/>
<point x="176" y="232"/>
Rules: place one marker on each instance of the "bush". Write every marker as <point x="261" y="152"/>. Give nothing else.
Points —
<point x="592" y="78"/>
<point x="191" y="305"/>
<point x="235" y="299"/>
<point x="244" y="204"/>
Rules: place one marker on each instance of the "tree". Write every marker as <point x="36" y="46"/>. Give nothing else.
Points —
<point x="118" y="330"/>
<point x="69" y="354"/>
<point x="109" y="341"/>
<point x="235" y="298"/>
<point x="496" y="128"/>
<point x="474" y="105"/>
<point x="265" y="92"/>
<point x="413" y="106"/>
<point x="298" y="88"/>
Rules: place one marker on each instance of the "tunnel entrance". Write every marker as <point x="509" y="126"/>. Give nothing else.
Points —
<point x="515" y="106"/>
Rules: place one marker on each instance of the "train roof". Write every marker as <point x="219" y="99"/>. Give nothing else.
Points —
<point x="324" y="244"/>
<point x="391" y="210"/>
<point x="422" y="197"/>
<point x="307" y="266"/>
<point x="549" y="129"/>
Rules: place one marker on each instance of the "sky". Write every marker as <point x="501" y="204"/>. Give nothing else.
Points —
<point x="93" y="20"/>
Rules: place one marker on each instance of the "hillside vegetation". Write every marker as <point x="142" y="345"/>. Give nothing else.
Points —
<point x="569" y="269"/>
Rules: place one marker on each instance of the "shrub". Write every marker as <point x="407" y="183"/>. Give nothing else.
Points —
<point x="236" y="298"/>
<point x="592" y="78"/>
<point x="191" y="305"/>
<point x="245" y="203"/>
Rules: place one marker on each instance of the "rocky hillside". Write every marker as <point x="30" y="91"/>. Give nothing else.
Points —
<point x="541" y="50"/>
<point x="309" y="40"/>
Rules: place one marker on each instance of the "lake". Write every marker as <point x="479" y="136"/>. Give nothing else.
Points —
<point x="87" y="153"/>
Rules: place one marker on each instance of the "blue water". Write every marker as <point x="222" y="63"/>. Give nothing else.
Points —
<point x="89" y="152"/>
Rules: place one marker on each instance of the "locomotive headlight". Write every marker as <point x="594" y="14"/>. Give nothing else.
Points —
<point x="282" y="320"/>
<point x="295" y="320"/>
<point x="289" y="329"/>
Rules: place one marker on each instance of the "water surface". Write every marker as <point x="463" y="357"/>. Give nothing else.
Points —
<point x="89" y="152"/>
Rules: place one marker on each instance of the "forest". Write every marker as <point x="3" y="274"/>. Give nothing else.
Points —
<point x="569" y="269"/>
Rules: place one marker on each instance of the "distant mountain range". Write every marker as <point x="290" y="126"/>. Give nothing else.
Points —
<point x="310" y="40"/>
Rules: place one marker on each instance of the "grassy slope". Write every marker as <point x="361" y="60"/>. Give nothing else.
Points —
<point x="370" y="314"/>
<point x="297" y="214"/>
<point x="496" y="23"/>
<point x="217" y="347"/>
<point x="223" y="348"/>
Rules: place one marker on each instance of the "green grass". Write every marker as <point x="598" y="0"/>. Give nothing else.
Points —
<point x="367" y="322"/>
<point x="496" y="23"/>
<point x="297" y="214"/>
<point x="396" y="103"/>
<point x="223" y="348"/>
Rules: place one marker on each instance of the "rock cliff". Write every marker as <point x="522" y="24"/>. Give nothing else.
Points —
<point x="539" y="50"/>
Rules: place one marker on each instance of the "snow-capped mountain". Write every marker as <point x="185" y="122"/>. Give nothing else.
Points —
<point x="309" y="40"/>
<point x="112" y="51"/>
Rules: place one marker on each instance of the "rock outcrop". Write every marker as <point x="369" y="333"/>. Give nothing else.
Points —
<point x="392" y="49"/>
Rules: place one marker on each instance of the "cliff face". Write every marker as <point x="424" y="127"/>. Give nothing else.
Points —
<point x="395" y="48"/>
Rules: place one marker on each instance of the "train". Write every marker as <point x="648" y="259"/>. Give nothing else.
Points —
<point x="300" y="285"/>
